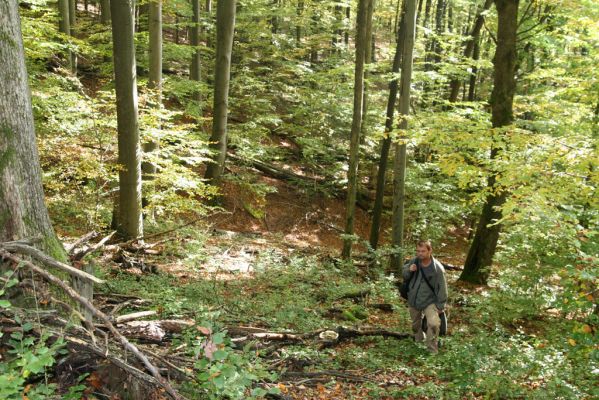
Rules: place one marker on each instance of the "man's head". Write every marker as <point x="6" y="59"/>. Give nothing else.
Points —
<point x="424" y="250"/>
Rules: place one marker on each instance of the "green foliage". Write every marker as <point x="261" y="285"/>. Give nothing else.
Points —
<point x="28" y="358"/>
<point x="223" y="372"/>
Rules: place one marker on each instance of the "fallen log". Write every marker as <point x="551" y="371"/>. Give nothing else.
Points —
<point x="363" y="199"/>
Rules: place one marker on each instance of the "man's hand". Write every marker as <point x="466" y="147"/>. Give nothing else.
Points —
<point x="413" y="267"/>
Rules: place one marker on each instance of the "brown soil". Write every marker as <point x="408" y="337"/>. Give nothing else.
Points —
<point x="303" y="220"/>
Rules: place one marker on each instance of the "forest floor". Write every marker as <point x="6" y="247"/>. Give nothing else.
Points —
<point x="281" y="273"/>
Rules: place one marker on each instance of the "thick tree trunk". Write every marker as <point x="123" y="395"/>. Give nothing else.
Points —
<point x="155" y="31"/>
<point x="129" y="217"/>
<point x="195" y="66"/>
<point x="225" y="27"/>
<point x="377" y="209"/>
<point x="480" y="255"/>
<point x="352" y="173"/>
<point x="23" y="213"/>
<point x="472" y="40"/>
<point x="399" y="162"/>
<point x="105" y="15"/>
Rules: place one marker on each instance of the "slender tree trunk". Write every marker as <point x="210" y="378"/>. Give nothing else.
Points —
<point x="439" y="29"/>
<point x="225" y="26"/>
<point x="480" y="255"/>
<point x="23" y="213"/>
<point x="129" y="217"/>
<point x="149" y="168"/>
<point x="368" y="59"/>
<point x="474" y="74"/>
<point x="72" y="24"/>
<point x="348" y="17"/>
<point x="352" y="173"/>
<point x="105" y="15"/>
<point x="64" y="26"/>
<point x="298" y="27"/>
<point x="473" y="39"/>
<point x="155" y="31"/>
<point x="209" y="25"/>
<point x="399" y="162"/>
<point x="195" y="67"/>
<point x="274" y="20"/>
<point x="377" y="209"/>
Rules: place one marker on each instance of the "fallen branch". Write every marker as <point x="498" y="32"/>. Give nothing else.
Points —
<point x="133" y="316"/>
<point x="16" y="247"/>
<point x="318" y="374"/>
<point x="82" y="253"/>
<point x="98" y="314"/>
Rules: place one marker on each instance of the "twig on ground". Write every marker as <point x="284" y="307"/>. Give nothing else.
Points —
<point x="98" y="314"/>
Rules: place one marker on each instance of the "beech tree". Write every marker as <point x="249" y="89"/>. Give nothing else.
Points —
<point x="23" y="213"/>
<point x="155" y="30"/>
<point x="399" y="161"/>
<point x="105" y="15"/>
<point x="129" y="217"/>
<point x="225" y="27"/>
<point x="195" y="67"/>
<point x="362" y="42"/>
<point x="481" y="252"/>
<point x="377" y="208"/>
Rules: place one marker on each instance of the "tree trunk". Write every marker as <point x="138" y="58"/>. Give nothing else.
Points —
<point x="480" y="255"/>
<point x="352" y="173"/>
<point x="472" y="40"/>
<point x="225" y="27"/>
<point x="23" y="213"/>
<point x="129" y="217"/>
<point x="209" y="25"/>
<point x="105" y="15"/>
<point x="73" y="23"/>
<point x="368" y="59"/>
<point x="377" y="209"/>
<point x="155" y="31"/>
<point x="399" y="162"/>
<point x="64" y="26"/>
<point x="195" y="67"/>
<point x="473" y="75"/>
<point x="298" y="27"/>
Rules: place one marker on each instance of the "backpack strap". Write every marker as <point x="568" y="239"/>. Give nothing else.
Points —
<point x="426" y="279"/>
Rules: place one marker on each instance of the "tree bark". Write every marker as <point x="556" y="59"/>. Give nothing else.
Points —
<point x="105" y="15"/>
<point x="225" y="27"/>
<point x="472" y="40"/>
<point x="155" y="31"/>
<point x="377" y="209"/>
<point x="480" y="255"/>
<point x="64" y="26"/>
<point x="399" y="162"/>
<point x="352" y="173"/>
<point x="195" y="67"/>
<point x="23" y="213"/>
<point x="129" y="217"/>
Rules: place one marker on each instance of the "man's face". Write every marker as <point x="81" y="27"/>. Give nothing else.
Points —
<point x="423" y="253"/>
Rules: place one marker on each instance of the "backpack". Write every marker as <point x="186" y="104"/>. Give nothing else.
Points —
<point x="405" y="285"/>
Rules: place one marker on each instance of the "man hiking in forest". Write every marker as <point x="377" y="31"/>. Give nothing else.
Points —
<point x="427" y="293"/>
